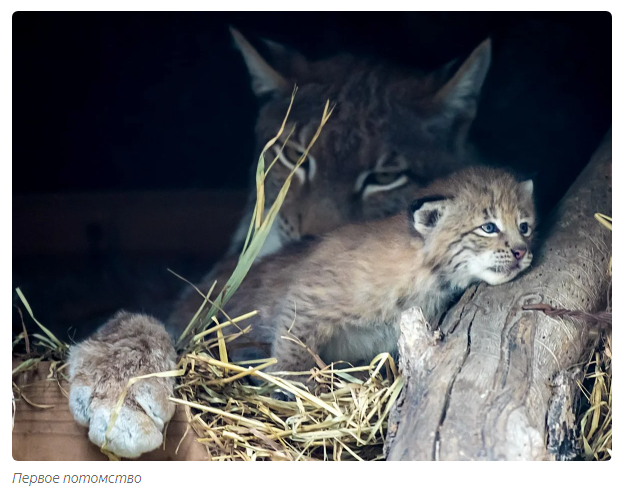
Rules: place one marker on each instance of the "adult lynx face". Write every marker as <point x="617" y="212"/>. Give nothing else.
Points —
<point x="392" y="130"/>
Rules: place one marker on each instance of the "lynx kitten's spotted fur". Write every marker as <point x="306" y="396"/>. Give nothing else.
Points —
<point x="342" y="295"/>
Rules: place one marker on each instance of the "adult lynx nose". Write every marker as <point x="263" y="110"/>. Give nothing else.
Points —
<point x="127" y="346"/>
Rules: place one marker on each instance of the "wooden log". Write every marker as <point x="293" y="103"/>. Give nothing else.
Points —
<point x="502" y="384"/>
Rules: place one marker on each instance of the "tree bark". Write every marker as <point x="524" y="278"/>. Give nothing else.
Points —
<point x="502" y="384"/>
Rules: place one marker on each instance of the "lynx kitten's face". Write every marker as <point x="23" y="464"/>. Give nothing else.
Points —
<point x="483" y="229"/>
<point x="391" y="131"/>
<point x="506" y="251"/>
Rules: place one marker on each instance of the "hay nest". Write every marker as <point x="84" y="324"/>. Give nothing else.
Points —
<point x="237" y="420"/>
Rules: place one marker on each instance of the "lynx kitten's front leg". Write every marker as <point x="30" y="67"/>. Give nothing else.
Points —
<point x="127" y="346"/>
<point x="292" y="355"/>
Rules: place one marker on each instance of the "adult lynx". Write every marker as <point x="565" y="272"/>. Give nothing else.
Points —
<point x="392" y="131"/>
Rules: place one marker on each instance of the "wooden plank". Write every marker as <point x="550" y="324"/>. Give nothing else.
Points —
<point x="53" y="435"/>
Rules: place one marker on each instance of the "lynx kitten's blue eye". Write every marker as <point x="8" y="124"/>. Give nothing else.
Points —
<point x="524" y="227"/>
<point x="489" y="228"/>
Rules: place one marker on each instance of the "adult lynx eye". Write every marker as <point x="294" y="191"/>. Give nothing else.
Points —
<point x="374" y="182"/>
<point x="382" y="178"/>
<point x="524" y="228"/>
<point x="489" y="228"/>
<point x="292" y="154"/>
<point x="289" y="154"/>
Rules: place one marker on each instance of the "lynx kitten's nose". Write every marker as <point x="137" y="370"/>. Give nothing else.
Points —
<point x="519" y="252"/>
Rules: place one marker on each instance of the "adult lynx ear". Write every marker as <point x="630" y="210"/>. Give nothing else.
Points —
<point x="277" y="76"/>
<point x="456" y="100"/>
<point x="527" y="188"/>
<point x="426" y="212"/>
<point x="287" y="61"/>
<point x="461" y="92"/>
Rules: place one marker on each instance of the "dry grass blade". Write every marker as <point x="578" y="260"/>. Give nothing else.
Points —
<point x="262" y="219"/>
<point x="51" y="348"/>
<point x="52" y="339"/>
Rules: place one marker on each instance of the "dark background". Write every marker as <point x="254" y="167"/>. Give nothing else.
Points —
<point x="107" y="106"/>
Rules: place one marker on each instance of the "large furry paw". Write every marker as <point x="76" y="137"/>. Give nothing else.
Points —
<point x="127" y="346"/>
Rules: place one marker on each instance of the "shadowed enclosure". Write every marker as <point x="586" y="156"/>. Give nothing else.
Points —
<point x="134" y="139"/>
<point x="133" y="132"/>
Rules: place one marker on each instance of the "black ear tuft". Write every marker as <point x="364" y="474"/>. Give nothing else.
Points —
<point x="416" y="204"/>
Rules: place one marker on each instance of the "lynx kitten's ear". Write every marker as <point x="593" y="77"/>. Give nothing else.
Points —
<point x="426" y="213"/>
<point x="276" y="76"/>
